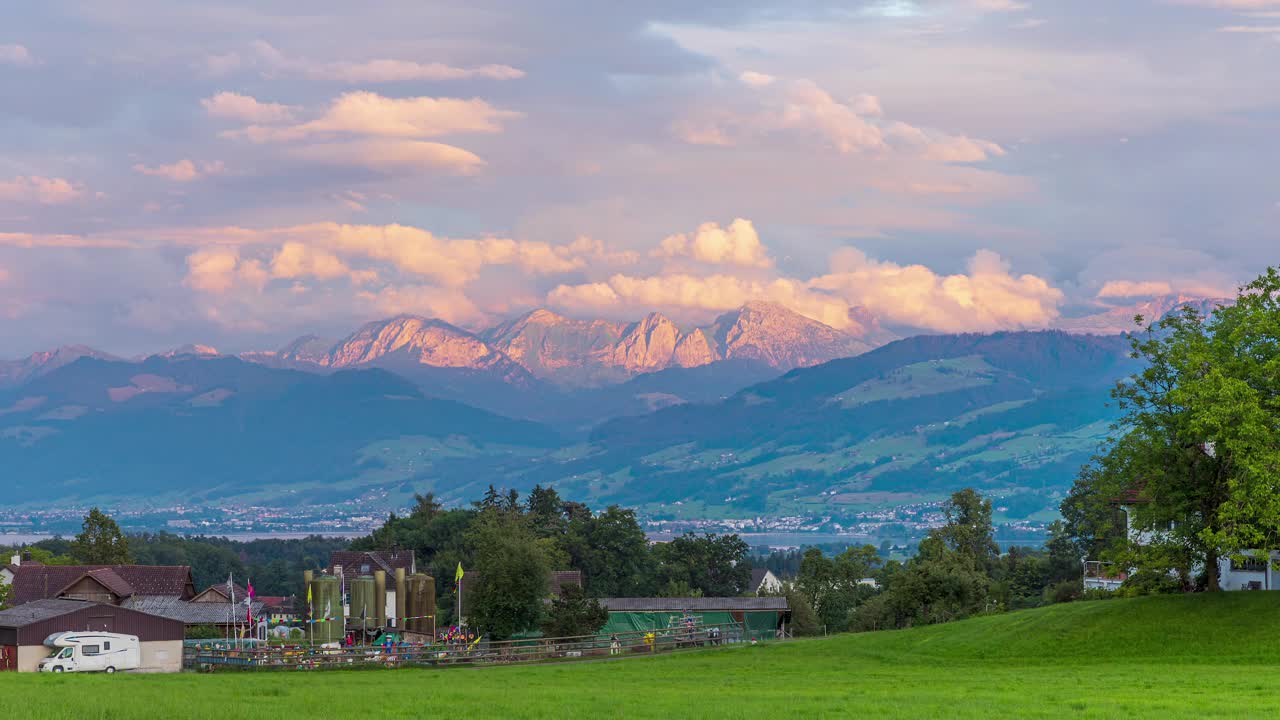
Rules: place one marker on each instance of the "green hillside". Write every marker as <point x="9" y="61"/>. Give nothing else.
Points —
<point x="1162" y="657"/>
<point x="220" y="429"/>
<point x="1013" y="414"/>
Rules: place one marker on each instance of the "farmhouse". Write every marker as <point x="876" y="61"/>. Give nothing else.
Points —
<point x="760" y="617"/>
<point x="764" y="581"/>
<point x="110" y="584"/>
<point x="1250" y="573"/>
<point x="23" y="630"/>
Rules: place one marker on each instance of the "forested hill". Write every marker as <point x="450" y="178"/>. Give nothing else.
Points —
<point x="918" y="417"/>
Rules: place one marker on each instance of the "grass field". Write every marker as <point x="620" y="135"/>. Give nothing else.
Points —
<point x="1170" y="657"/>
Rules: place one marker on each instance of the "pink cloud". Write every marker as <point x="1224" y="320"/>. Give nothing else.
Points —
<point x="33" y="189"/>
<point x="181" y="171"/>
<point x="380" y="70"/>
<point x="234" y="106"/>
<point x="1131" y="289"/>
<point x="738" y="244"/>
<point x="17" y="55"/>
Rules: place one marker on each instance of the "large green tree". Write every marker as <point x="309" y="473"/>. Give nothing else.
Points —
<point x="1197" y="454"/>
<point x="514" y="575"/>
<point x="573" y="614"/>
<point x="100" y="541"/>
<point x="712" y="565"/>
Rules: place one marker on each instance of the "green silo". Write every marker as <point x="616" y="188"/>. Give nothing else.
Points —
<point x="326" y="606"/>
<point x="363" y="603"/>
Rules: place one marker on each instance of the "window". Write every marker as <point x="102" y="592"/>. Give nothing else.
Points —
<point x="1249" y="565"/>
<point x="65" y="654"/>
<point x="89" y="649"/>
<point x="106" y="646"/>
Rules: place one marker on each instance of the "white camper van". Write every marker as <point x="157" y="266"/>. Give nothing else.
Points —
<point x="91" y="652"/>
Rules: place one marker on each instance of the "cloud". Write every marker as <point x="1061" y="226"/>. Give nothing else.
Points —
<point x="379" y="70"/>
<point x="35" y="240"/>
<point x="391" y="155"/>
<point x="17" y="55"/>
<point x="296" y="260"/>
<point x="447" y="304"/>
<point x="33" y="189"/>
<point x="371" y="114"/>
<point x="738" y="244"/>
<point x="1000" y="5"/>
<point x="181" y="171"/>
<point x="802" y="108"/>
<point x="755" y="79"/>
<point x="218" y="270"/>
<point x="1132" y="289"/>
<point x="234" y="106"/>
<point x="367" y="130"/>
<point x="986" y="298"/>
<point x="1251" y="29"/>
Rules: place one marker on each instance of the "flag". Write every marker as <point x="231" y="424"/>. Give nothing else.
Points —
<point x="248" y="601"/>
<point x="457" y="577"/>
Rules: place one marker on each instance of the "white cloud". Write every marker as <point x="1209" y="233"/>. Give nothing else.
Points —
<point x="296" y="260"/>
<point x="33" y="189"/>
<point x="182" y="171"/>
<point x="235" y="106"/>
<point x="1000" y="5"/>
<point x="738" y="244"/>
<point x="1130" y="289"/>
<point x="755" y="79"/>
<point x="803" y="108"/>
<point x="391" y="155"/>
<point x="218" y="270"/>
<point x="987" y="297"/>
<point x="381" y="70"/>
<point x="371" y="114"/>
<point x="17" y="55"/>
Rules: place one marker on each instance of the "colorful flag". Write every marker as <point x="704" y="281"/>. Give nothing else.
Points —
<point x="248" y="601"/>
<point x="457" y="577"/>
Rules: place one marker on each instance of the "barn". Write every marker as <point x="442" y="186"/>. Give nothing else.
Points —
<point x="23" y="630"/>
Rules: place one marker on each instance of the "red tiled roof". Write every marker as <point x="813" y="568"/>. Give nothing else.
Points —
<point x="38" y="582"/>
<point x="107" y="578"/>
<point x="354" y="561"/>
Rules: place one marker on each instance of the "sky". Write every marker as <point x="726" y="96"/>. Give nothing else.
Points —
<point x="240" y="172"/>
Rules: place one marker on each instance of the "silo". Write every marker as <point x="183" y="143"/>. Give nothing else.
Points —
<point x="326" y="603"/>
<point x="363" y="604"/>
<point x="401" y="600"/>
<point x="421" y="605"/>
<point x="380" y="596"/>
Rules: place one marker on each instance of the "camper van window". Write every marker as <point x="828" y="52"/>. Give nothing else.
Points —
<point x="66" y="653"/>
<point x="106" y="646"/>
<point x="89" y="649"/>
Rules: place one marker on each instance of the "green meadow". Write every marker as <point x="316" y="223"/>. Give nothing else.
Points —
<point x="1192" y="656"/>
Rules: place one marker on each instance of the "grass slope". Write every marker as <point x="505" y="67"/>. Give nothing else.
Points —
<point x="1172" y="657"/>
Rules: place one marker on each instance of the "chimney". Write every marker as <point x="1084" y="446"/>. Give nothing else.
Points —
<point x="17" y="559"/>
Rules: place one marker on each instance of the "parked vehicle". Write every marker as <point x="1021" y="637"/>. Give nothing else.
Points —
<point x="91" y="652"/>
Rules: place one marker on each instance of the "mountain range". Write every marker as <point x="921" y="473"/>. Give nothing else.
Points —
<point x="762" y="412"/>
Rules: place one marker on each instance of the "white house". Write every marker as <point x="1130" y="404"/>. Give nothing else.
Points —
<point x="764" y="581"/>
<point x="1252" y="573"/>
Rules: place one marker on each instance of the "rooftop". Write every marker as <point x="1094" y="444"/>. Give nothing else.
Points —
<point x="746" y="604"/>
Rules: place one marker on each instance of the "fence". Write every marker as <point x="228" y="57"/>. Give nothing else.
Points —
<point x="480" y="652"/>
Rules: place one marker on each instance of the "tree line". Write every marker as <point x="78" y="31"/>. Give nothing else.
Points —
<point x="513" y="544"/>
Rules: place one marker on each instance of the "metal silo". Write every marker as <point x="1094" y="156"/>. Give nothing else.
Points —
<point x="363" y="604"/>
<point x="326" y="606"/>
<point x="421" y="605"/>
